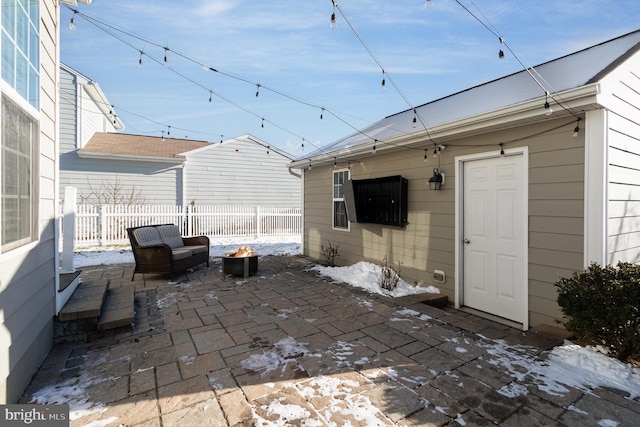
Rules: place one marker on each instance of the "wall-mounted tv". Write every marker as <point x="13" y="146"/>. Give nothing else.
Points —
<point x="377" y="200"/>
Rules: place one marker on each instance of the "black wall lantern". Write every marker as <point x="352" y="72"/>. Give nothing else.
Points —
<point x="436" y="181"/>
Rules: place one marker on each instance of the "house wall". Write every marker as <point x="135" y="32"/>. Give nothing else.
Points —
<point x="556" y="200"/>
<point x="240" y="172"/>
<point x="157" y="183"/>
<point x="623" y="184"/>
<point x="28" y="273"/>
<point x="80" y="118"/>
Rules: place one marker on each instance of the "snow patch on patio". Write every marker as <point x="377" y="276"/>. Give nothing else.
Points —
<point x="366" y="275"/>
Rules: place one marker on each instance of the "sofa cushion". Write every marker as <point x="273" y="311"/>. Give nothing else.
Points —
<point x="147" y="236"/>
<point x="180" y="253"/>
<point x="198" y="249"/>
<point x="170" y="235"/>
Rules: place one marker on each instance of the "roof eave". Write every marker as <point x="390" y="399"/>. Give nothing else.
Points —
<point x="579" y="99"/>
<point x="127" y="157"/>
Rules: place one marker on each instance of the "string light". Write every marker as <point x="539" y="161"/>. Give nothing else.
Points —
<point x="333" y="23"/>
<point x="576" y="130"/>
<point x="221" y="137"/>
<point x="72" y="22"/>
<point x="140" y="60"/>
<point x="335" y="162"/>
<point x="501" y="52"/>
<point x="162" y="135"/>
<point x="415" y="120"/>
<point x="425" y="155"/>
<point x="373" y="150"/>
<point x="262" y="124"/>
<point x="309" y="164"/>
<point x="210" y="95"/>
<point x="384" y="81"/>
<point x="302" y="143"/>
<point x="501" y="150"/>
<point x="547" y="106"/>
<point x="268" y="149"/>
<point x="168" y="131"/>
<point x="166" y="49"/>
<point x="322" y="113"/>
<point x="257" y="90"/>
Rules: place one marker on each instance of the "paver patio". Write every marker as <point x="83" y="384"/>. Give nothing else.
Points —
<point x="287" y="347"/>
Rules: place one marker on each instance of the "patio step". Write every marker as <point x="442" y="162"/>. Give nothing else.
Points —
<point x="118" y="309"/>
<point x="86" y="301"/>
<point x="436" y="300"/>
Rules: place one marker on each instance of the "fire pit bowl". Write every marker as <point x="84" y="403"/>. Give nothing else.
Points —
<point x="243" y="262"/>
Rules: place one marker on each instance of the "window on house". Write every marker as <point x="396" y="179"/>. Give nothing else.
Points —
<point x="339" y="208"/>
<point x="19" y="123"/>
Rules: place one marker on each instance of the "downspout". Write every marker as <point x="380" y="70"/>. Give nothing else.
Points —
<point x="56" y="170"/>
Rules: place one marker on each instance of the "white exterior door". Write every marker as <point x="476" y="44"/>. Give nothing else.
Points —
<point x="494" y="229"/>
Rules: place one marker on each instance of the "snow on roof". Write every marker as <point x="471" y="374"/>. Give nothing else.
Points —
<point x="568" y="72"/>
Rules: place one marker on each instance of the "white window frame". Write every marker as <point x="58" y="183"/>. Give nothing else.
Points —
<point x="338" y="198"/>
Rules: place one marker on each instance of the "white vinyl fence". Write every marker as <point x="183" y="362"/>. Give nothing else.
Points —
<point x="103" y="225"/>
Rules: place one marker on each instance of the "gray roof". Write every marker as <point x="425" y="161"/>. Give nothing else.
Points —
<point x="568" y="72"/>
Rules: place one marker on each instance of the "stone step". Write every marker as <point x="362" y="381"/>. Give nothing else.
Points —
<point x="118" y="309"/>
<point x="436" y="300"/>
<point x="86" y="301"/>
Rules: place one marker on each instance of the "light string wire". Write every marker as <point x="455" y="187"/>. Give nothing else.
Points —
<point x="550" y="92"/>
<point x="101" y="25"/>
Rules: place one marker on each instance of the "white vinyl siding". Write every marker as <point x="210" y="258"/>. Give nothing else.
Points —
<point x="623" y="189"/>
<point x="240" y="172"/>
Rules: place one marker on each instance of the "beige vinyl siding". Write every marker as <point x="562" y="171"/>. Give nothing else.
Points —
<point x="623" y="224"/>
<point x="240" y="173"/>
<point x="27" y="277"/>
<point x="556" y="204"/>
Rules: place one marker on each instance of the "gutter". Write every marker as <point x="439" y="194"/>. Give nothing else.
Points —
<point x="128" y="157"/>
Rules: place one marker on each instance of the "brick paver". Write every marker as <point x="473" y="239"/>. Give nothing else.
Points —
<point x="286" y="347"/>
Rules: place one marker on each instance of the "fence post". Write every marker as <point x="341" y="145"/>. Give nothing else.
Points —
<point x="258" y="222"/>
<point x="102" y="225"/>
<point x="189" y="217"/>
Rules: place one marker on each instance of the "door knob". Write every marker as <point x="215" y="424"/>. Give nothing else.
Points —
<point x="467" y="241"/>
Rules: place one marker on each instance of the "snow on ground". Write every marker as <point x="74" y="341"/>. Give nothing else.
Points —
<point x="367" y="276"/>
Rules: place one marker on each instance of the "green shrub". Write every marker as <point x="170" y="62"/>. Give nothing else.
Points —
<point x="601" y="306"/>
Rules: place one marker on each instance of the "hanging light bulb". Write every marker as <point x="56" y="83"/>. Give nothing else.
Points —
<point x="373" y="150"/>
<point x="140" y="60"/>
<point x="384" y="81"/>
<point x="221" y="136"/>
<point x="322" y="113"/>
<point x="425" y="155"/>
<point x="72" y="22"/>
<point x="163" y="136"/>
<point x="576" y="130"/>
<point x="501" y="150"/>
<point x="166" y="49"/>
<point x="309" y="164"/>
<point x="168" y="131"/>
<point x="210" y="95"/>
<point x="547" y="106"/>
<point x="262" y="124"/>
<point x="501" y="52"/>
<point x="335" y="163"/>
<point x="415" y="120"/>
<point x="303" y="143"/>
<point x="333" y="23"/>
<point x="268" y="149"/>
<point x="258" y="90"/>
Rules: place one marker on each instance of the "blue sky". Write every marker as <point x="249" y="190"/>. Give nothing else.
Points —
<point x="287" y="47"/>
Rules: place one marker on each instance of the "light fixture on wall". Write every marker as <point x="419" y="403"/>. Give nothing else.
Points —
<point x="436" y="181"/>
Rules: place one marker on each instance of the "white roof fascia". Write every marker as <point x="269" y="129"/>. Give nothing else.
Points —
<point x="75" y="2"/>
<point x="93" y="90"/>
<point x="106" y="156"/>
<point x="582" y="98"/>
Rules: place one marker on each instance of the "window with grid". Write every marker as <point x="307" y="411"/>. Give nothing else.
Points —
<point x="339" y="208"/>
<point x="19" y="127"/>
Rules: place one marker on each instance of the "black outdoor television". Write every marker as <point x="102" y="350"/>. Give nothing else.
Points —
<point x="377" y="200"/>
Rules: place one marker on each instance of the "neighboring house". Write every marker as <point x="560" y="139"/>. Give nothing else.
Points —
<point x="238" y="171"/>
<point x="527" y="197"/>
<point x="28" y="188"/>
<point x="84" y="110"/>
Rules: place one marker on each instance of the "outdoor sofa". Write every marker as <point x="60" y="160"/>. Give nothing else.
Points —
<point x="161" y="249"/>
